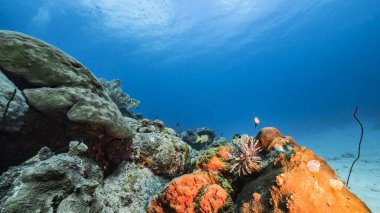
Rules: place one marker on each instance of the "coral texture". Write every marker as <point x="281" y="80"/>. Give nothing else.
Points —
<point x="215" y="159"/>
<point x="57" y="100"/>
<point x="123" y="101"/>
<point x="245" y="156"/>
<point x="163" y="153"/>
<point x="295" y="180"/>
<point x="17" y="107"/>
<point x="212" y="198"/>
<point x="48" y="183"/>
<point x="55" y="82"/>
<point x="199" y="139"/>
<point x="129" y="189"/>
<point x="195" y="192"/>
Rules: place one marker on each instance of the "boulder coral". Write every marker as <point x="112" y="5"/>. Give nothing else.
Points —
<point x="52" y="183"/>
<point x="270" y="138"/>
<point x="215" y="159"/>
<point x="195" y="192"/>
<point x="296" y="181"/>
<point x="164" y="154"/>
<point x="290" y="179"/>
<point x="57" y="100"/>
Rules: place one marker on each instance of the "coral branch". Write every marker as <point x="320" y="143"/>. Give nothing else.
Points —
<point x="360" y="142"/>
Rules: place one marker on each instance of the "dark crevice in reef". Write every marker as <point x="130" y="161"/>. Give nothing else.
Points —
<point x="19" y="81"/>
<point x="56" y="132"/>
<point x="239" y="184"/>
<point x="7" y="105"/>
<point x="38" y="131"/>
<point x="116" y="151"/>
<point x="112" y="167"/>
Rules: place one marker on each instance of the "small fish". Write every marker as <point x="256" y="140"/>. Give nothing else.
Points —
<point x="256" y="121"/>
<point x="201" y="139"/>
<point x="236" y="136"/>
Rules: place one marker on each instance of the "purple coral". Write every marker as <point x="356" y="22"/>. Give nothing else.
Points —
<point x="245" y="155"/>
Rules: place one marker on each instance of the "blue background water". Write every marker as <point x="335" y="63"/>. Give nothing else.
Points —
<point x="301" y="66"/>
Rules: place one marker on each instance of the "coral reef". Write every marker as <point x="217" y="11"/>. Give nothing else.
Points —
<point x="294" y="179"/>
<point x="195" y="192"/>
<point x="123" y="101"/>
<point x="63" y="183"/>
<point x="53" y="81"/>
<point x="290" y="179"/>
<point x="245" y="155"/>
<point x="163" y="152"/>
<point x="122" y="164"/>
<point x="215" y="159"/>
<point x="200" y="139"/>
<point x="57" y="100"/>
<point x="158" y="147"/>
<point x="129" y="189"/>
<point x="13" y="109"/>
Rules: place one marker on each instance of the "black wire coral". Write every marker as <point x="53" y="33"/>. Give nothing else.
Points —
<point x="123" y="101"/>
<point x="245" y="155"/>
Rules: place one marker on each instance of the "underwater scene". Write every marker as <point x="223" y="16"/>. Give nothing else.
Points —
<point x="165" y="106"/>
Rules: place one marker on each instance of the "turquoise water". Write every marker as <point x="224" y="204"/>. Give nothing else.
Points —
<point x="301" y="66"/>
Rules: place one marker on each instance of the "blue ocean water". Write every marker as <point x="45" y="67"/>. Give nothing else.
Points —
<point x="300" y="66"/>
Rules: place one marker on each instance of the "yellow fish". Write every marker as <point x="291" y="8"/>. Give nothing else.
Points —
<point x="201" y="139"/>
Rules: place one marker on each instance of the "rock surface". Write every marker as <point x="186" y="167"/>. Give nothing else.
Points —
<point x="72" y="182"/>
<point x="158" y="148"/>
<point x="13" y="105"/>
<point x="57" y="100"/>
<point x="53" y="81"/>
<point x="294" y="179"/>
<point x="195" y="192"/>
<point x="129" y="189"/>
<point x="290" y="179"/>
<point x="62" y="183"/>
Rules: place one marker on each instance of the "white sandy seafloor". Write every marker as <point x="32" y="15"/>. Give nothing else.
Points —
<point x="339" y="148"/>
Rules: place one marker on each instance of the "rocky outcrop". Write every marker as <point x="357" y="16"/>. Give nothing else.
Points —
<point x="215" y="159"/>
<point x="13" y="105"/>
<point x="52" y="183"/>
<point x="289" y="178"/>
<point x="158" y="148"/>
<point x="55" y="82"/>
<point x="72" y="182"/>
<point x="195" y="192"/>
<point x="57" y="100"/>
<point x="129" y="189"/>
<point x="49" y="99"/>
<point x="294" y="179"/>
